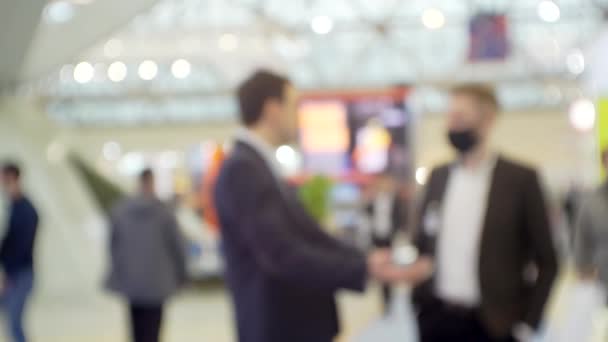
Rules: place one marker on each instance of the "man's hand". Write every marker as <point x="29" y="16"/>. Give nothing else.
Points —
<point x="382" y="268"/>
<point x="378" y="259"/>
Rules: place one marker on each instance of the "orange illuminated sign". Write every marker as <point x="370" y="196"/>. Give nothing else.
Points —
<point x="323" y="127"/>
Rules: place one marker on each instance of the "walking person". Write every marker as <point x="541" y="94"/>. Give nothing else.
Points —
<point x="147" y="258"/>
<point x="17" y="252"/>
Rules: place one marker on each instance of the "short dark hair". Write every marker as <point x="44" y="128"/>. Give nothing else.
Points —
<point x="11" y="169"/>
<point x="146" y="175"/>
<point x="253" y="93"/>
<point x="482" y="93"/>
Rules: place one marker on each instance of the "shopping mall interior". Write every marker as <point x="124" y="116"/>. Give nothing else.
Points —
<point x="92" y="92"/>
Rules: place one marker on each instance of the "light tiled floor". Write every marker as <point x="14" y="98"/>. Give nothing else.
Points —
<point x="204" y="315"/>
<point x="201" y="315"/>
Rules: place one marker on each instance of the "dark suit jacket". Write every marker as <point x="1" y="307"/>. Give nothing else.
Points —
<point x="282" y="269"/>
<point x="17" y="246"/>
<point x="516" y="236"/>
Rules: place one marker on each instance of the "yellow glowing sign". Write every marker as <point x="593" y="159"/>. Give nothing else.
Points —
<point x="323" y="127"/>
<point x="602" y="128"/>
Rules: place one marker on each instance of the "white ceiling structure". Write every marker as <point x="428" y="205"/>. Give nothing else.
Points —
<point x="130" y="76"/>
<point x="18" y="23"/>
<point x="33" y="45"/>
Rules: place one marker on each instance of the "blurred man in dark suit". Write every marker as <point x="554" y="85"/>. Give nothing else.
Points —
<point x="485" y="222"/>
<point x="282" y="269"/>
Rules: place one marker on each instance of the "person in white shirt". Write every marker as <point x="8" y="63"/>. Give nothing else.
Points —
<point x="387" y="213"/>
<point x="484" y="221"/>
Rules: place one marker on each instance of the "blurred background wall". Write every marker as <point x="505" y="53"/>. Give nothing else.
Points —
<point x="155" y="76"/>
<point x="71" y="254"/>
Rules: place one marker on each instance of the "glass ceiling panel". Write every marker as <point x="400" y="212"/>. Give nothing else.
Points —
<point x="292" y="13"/>
<point x="354" y="43"/>
<point x="453" y="10"/>
<point x="377" y="10"/>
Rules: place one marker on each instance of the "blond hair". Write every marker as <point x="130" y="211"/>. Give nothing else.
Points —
<point x="485" y="95"/>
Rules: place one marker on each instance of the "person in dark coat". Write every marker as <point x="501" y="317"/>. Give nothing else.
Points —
<point x="485" y="220"/>
<point x="148" y="263"/>
<point x="591" y="240"/>
<point x="283" y="270"/>
<point x="17" y="252"/>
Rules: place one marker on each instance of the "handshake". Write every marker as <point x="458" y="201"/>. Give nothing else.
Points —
<point x="382" y="268"/>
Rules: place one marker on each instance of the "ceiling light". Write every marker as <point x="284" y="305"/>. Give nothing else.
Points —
<point x="549" y="11"/>
<point x="433" y="19"/>
<point x="113" y="48"/>
<point x="117" y="72"/>
<point x="59" y="12"/>
<point x="322" y="24"/>
<point x="575" y="62"/>
<point x="84" y="72"/>
<point x="181" y="68"/>
<point x="112" y="151"/>
<point x="582" y="115"/>
<point x="228" y="42"/>
<point x="147" y="70"/>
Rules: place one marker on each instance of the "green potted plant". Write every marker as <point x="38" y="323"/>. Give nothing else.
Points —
<point x="314" y="194"/>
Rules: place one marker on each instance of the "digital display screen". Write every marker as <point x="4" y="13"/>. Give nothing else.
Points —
<point x="365" y="133"/>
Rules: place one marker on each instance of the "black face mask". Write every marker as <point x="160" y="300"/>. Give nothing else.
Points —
<point x="463" y="141"/>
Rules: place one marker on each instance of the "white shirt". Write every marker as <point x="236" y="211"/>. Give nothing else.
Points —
<point x="264" y="149"/>
<point x="383" y="213"/>
<point x="463" y="216"/>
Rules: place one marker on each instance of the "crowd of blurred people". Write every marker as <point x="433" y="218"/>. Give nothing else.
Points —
<point x="486" y="265"/>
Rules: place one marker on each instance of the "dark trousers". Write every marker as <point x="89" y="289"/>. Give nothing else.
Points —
<point x="146" y="321"/>
<point x="441" y="322"/>
<point x="18" y="290"/>
<point x="387" y="290"/>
